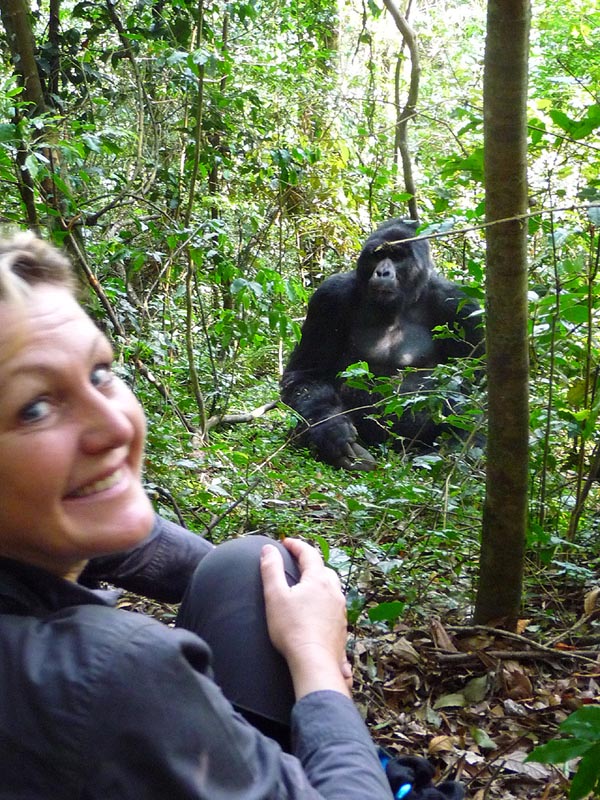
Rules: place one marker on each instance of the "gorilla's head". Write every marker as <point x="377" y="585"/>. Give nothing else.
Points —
<point x="394" y="271"/>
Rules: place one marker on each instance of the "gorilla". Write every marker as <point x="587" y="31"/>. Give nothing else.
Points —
<point x="384" y="313"/>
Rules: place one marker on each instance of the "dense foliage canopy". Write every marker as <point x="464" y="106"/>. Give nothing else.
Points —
<point x="207" y="164"/>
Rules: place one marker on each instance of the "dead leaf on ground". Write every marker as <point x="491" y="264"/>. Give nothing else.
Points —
<point x="440" y="744"/>
<point x="590" y="601"/>
<point x="441" y="637"/>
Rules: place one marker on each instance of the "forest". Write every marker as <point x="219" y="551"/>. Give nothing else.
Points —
<point x="207" y="166"/>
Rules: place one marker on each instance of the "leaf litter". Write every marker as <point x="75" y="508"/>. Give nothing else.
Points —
<point x="474" y="700"/>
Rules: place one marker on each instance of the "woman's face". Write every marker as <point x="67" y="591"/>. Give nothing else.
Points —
<point x="71" y="439"/>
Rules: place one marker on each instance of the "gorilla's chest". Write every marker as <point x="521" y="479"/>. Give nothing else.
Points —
<point x="391" y="346"/>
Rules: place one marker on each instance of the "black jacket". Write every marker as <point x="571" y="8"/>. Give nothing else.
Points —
<point x="102" y="704"/>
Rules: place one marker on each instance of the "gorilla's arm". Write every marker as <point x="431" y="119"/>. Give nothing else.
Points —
<point x="317" y="355"/>
<point x="309" y="384"/>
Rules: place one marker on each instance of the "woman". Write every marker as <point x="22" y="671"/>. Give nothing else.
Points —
<point x="101" y="703"/>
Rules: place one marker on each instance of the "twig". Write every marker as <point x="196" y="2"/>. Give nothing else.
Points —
<point x="517" y="217"/>
<point x="517" y="637"/>
<point x="243" y="416"/>
<point x="589" y="656"/>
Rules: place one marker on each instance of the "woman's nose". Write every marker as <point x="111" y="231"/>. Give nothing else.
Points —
<point x="106" y="425"/>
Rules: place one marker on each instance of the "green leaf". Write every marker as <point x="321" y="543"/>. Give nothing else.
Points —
<point x="561" y="119"/>
<point x="386" y="612"/>
<point x="323" y="544"/>
<point x="573" y="308"/>
<point x="481" y="738"/>
<point x="583" y="723"/>
<point x="456" y="700"/>
<point x="8" y="133"/>
<point x="239" y="458"/>
<point x="374" y="9"/>
<point x="360" y="369"/>
<point x="92" y="142"/>
<point x="176" y="57"/>
<point x="593" y="213"/>
<point x="355" y="603"/>
<point x="578" y="129"/>
<point x="32" y="166"/>
<point x="60" y="184"/>
<point x="576" y="393"/>
<point x="587" y="777"/>
<point x="476" y="689"/>
<point x="559" y="751"/>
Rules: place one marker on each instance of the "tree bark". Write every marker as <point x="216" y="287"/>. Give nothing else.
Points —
<point x="505" y="141"/>
<point x="17" y="24"/>
<point x="408" y="112"/>
<point x="15" y="18"/>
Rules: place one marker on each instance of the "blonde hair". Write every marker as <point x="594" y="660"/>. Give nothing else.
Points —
<point x="26" y="260"/>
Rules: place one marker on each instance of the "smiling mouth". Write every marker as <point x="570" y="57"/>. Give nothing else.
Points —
<point x="98" y="486"/>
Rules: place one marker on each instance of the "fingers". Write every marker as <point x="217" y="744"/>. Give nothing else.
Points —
<point x="307" y="620"/>
<point x="271" y="569"/>
<point x="362" y="453"/>
<point x="305" y="554"/>
<point x="347" y="671"/>
<point x="308" y="558"/>
<point x="356" y="458"/>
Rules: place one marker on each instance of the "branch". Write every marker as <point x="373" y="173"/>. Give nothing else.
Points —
<point x="588" y="656"/>
<point x="533" y="650"/>
<point x="516" y="217"/>
<point x="233" y="419"/>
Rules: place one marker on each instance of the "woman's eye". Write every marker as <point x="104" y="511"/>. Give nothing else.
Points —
<point x="35" y="411"/>
<point x="101" y="375"/>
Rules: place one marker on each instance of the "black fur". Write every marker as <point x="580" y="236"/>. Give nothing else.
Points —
<point x="384" y="313"/>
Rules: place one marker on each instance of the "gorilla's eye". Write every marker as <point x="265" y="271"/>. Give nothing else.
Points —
<point x="400" y="253"/>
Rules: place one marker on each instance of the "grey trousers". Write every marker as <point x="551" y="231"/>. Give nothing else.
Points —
<point x="224" y="605"/>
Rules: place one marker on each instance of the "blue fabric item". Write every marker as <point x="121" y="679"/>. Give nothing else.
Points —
<point x="411" y="778"/>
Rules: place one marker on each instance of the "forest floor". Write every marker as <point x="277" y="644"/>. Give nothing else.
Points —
<point x="473" y="700"/>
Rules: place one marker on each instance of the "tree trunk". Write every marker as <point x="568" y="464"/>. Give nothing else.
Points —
<point x="16" y="20"/>
<point x="17" y="24"/>
<point x="505" y="132"/>
<point x="408" y="112"/>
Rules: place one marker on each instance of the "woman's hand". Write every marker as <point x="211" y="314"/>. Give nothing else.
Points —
<point x="307" y="621"/>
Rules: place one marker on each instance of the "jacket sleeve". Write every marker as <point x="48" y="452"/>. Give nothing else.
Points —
<point x="335" y="749"/>
<point x="164" y="730"/>
<point x="160" y="567"/>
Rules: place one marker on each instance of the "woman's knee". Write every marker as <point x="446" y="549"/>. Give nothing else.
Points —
<point x="224" y="604"/>
<point x="232" y="569"/>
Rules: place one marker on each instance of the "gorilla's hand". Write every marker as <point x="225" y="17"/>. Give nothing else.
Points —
<point x="334" y="440"/>
<point x="357" y="459"/>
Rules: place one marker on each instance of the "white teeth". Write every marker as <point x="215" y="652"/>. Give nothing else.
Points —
<point x="99" y="486"/>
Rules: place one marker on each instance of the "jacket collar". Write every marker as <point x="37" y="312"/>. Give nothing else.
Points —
<point x="29" y="590"/>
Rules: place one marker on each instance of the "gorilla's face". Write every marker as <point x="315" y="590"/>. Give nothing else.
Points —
<point x="384" y="285"/>
<point x="393" y="270"/>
